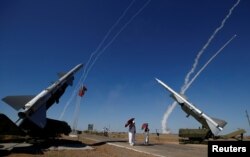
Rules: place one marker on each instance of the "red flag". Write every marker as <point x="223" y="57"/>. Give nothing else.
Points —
<point x="82" y="91"/>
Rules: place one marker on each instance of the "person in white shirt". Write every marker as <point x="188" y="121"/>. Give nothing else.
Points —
<point x="146" y="135"/>
<point x="131" y="133"/>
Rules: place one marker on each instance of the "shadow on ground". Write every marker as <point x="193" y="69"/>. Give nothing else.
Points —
<point x="39" y="147"/>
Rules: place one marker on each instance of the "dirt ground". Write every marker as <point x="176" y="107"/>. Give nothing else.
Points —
<point x="100" y="149"/>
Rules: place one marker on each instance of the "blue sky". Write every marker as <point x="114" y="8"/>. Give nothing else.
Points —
<point x="38" y="39"/>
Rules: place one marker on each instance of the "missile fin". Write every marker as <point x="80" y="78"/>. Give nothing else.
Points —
<point x="17" y="102"/>
<point x="39" y="117"/>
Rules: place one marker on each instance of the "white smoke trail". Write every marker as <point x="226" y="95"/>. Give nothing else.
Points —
<point x="109" y="43"/>
<point x="76" y="114"/>
<point x="116" y="35"/>
<point x="174" y="104"/>
<point x="186" y="82"/>
<point x="86" y="68"/>
<point x="166" y="115"/>
<point x="170" y="109"/>
<point x="205" y="65"/>
<point x="206" y="45"/>
<point x="73" y="95"/>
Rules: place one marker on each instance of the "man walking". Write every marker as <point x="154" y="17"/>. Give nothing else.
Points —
<point x="146" y="135"/>
<point x="131" y="133"/>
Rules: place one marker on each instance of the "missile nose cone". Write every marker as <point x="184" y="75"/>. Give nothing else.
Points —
<point x="157" y="80"/>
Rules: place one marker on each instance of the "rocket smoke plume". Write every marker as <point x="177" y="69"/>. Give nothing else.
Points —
<point x="171" y="107"/>
<point x="89" y="67"/>
<point x="100" y="49"/>
<point x="187" y="84"/>
<point x="86" y="69"/>
<point x="116" y="35"/>
<point x="206" y="45"/>
<point x="205" y="65"/>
